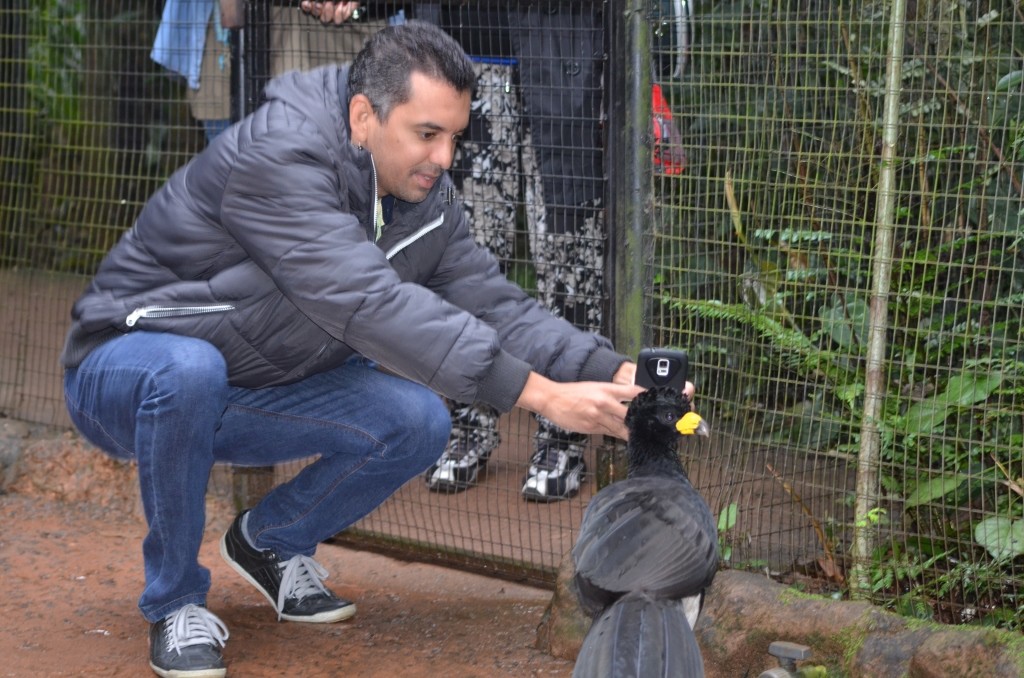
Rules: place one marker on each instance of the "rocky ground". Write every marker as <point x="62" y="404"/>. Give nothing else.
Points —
<point x="70" y="559"/>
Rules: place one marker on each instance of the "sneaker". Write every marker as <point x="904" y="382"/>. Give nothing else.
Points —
<point x="294" y="587"/>
<point x="555" y="473"/>
<point x="187" y="644"/>
<point x="457" y="468"/>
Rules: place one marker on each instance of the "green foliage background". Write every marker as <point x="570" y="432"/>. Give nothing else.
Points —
<point x="766" y="248"/>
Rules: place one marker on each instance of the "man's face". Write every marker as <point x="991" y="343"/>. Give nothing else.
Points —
<point x="417" y="142"/>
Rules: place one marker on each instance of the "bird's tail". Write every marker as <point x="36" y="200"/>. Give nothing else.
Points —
<point x="640" y="637"/>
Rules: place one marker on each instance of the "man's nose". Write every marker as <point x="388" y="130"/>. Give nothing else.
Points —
<point x="444" y="154"/>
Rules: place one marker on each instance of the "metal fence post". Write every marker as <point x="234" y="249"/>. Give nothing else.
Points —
<point x="629" y="190"/>
<point x="250" y="59"/>
<point x="629" y="171"/>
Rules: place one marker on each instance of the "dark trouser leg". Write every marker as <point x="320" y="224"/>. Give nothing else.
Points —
<point x="560" y="51"/>
<point x="487" y="170"/>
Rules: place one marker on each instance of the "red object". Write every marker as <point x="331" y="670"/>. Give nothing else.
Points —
<point x="669" y="156"/>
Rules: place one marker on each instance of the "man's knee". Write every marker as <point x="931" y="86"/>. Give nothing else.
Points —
<point x="193" y="365"/>
<point x="427" y="419"/>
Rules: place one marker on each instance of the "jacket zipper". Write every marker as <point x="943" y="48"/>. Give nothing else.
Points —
<point x="172" y="311"/>
<point x="408" y="240"/>
<point x="377" y="229"/>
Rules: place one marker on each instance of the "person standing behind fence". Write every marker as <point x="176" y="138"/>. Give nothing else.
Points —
<point x="193" y="41"/>
<point x="558" y="51"/>
<point x="307" y="285"/>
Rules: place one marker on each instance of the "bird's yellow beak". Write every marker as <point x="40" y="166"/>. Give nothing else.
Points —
<point x="693" y="424"/>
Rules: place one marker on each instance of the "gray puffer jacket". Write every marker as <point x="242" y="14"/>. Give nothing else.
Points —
<point x="264" y="245"/>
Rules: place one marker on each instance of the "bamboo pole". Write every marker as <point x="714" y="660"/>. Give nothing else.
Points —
<point x="864" y="531"/>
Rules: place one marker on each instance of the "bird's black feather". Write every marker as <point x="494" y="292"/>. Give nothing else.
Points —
<point x="641" y="637"/>
<point x="645" y="543"/>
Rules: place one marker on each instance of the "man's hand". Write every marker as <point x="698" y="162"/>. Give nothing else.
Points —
<point x="626" y="374"/>
<point x="584" y="407"/>
<point x="330" y="12"/>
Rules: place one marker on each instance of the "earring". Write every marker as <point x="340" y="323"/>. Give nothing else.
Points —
<point x="359" y="147"/>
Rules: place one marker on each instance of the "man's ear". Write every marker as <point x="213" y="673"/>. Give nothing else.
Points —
<point x="360" y="115"/>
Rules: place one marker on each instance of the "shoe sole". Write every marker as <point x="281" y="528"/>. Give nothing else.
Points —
<point x="328" y="617"/>
<point x="532" y="495"/>
<point x="445" y="487"/>
<point x="199" y="673"/>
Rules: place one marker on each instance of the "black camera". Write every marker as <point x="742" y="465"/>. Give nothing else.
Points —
<point x="662" y="367"/>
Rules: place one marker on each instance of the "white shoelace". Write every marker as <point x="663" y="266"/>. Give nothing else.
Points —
<point x="302" y="577"/>
<point x="195" y="625"/>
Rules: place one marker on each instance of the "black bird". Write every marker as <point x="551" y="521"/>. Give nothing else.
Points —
<point x="646" y="552"/>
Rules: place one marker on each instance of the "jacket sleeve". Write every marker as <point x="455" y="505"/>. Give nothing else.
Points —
<point x="283" y="204"/>
<point x="469" y="278"/>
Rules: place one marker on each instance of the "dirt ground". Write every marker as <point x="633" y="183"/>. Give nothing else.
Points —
<point x="70" y="557"/>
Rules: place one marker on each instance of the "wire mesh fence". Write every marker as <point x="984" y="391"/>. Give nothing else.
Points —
<point x="842" y="259"/>
<point x="832" y="211"/>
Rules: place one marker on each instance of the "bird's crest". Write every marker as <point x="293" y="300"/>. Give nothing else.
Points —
<point x="647" y="404"/>
<point x="663" y="412"/>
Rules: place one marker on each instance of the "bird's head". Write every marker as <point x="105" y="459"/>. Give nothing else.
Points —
<point x="662" y="414"/>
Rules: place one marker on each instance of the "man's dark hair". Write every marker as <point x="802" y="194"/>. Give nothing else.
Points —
<point x="382" y="69"/>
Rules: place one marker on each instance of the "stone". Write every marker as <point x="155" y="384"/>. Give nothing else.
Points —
<point x="744" y="613"/>
<point x="564" y="625"/>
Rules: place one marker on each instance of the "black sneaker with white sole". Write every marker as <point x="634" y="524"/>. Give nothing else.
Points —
<point x="555" y="473"/>
<point x="187" y="644"/>
<point x="294" y="587"/>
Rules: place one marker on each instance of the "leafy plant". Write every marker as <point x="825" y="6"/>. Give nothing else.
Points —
<point x="55" y="57"/>
<point x="793" y="163"/>
<point x="1001" y="537"/>
<point x="726" y="521"/>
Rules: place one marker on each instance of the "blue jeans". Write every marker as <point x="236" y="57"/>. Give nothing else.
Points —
<point x="163" y="401"/>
